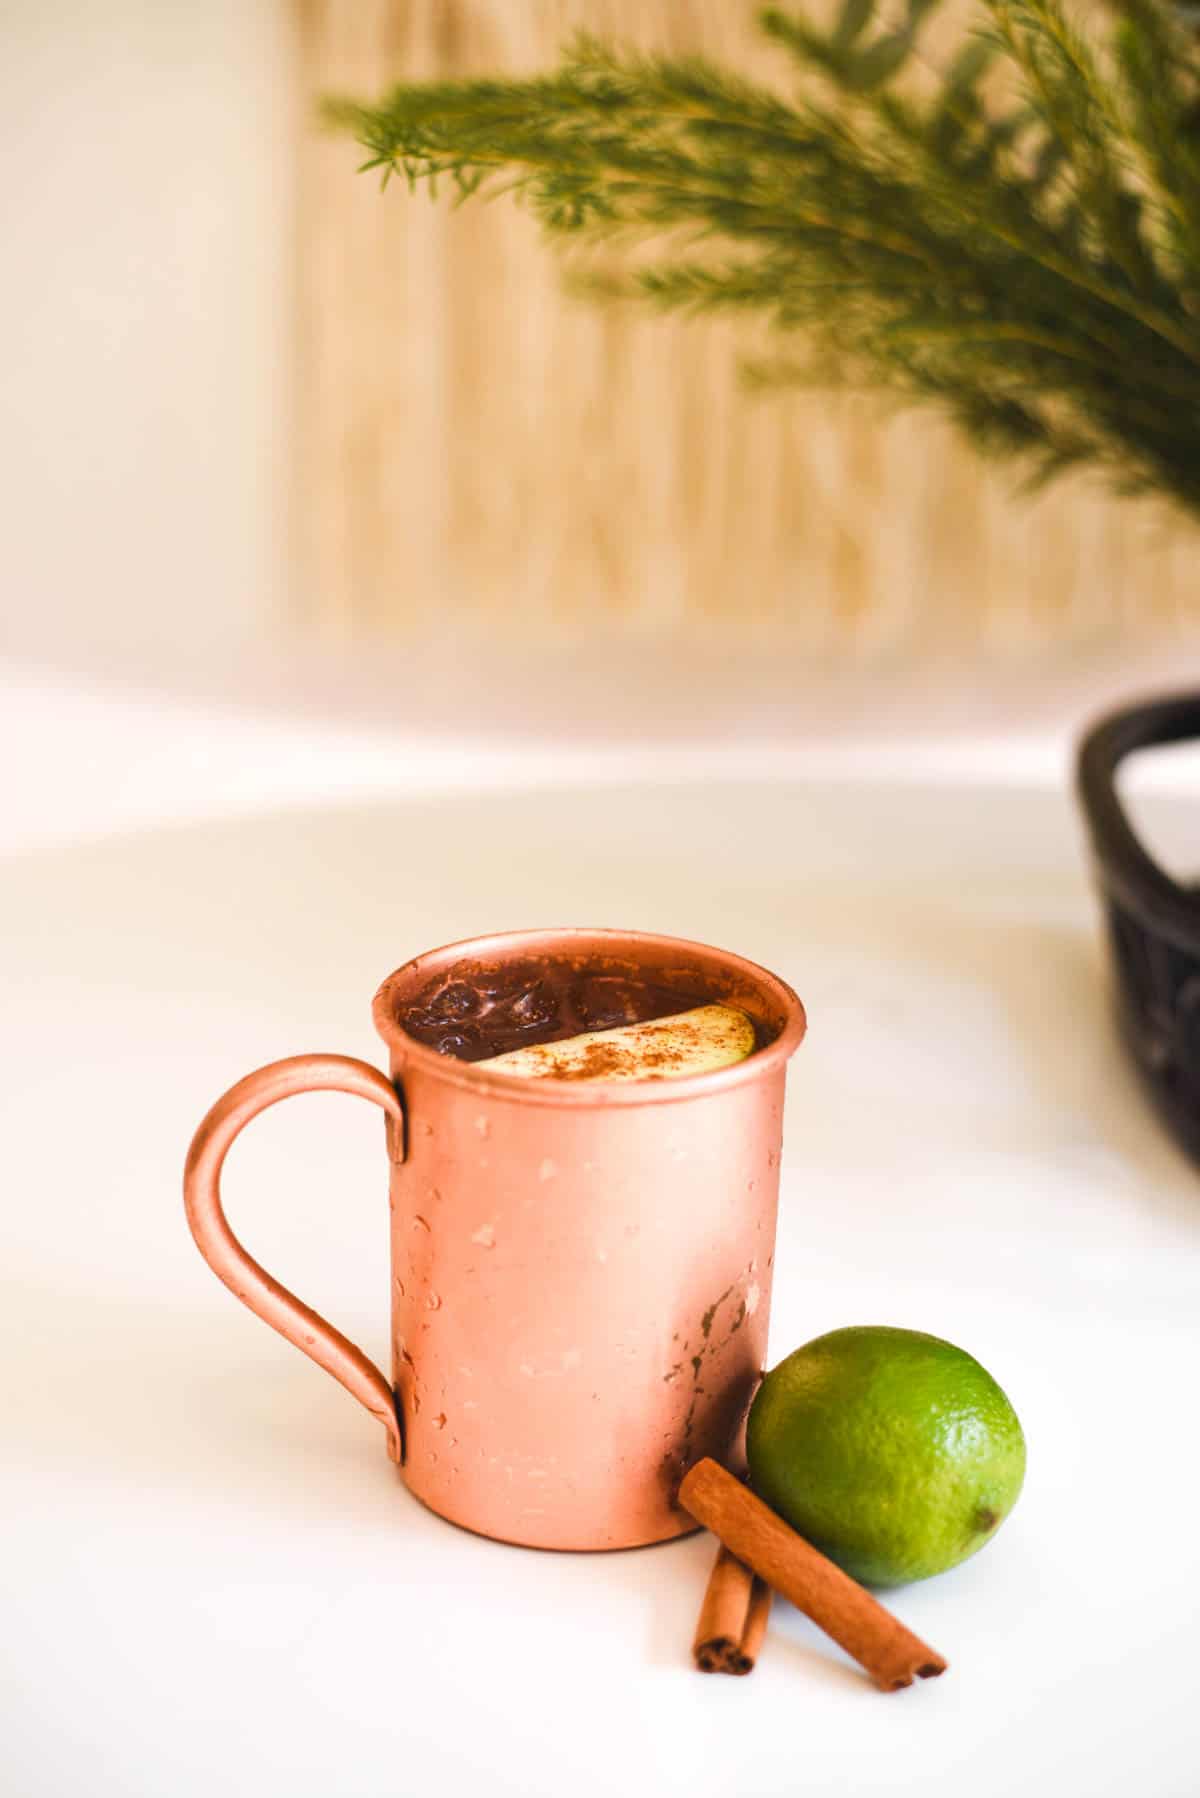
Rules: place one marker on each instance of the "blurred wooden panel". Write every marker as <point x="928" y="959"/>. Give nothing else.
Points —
<point x="474" y="446"/>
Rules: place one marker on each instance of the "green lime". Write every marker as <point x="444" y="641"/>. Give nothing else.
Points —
<point x="894" y="1452"/>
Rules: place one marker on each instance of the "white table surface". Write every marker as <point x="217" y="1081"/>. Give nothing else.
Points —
<point x="213" y="1580"/>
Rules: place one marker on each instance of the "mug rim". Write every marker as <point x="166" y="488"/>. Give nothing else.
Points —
<point x="479" y="1078"/>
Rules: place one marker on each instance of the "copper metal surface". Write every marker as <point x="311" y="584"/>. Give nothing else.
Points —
<point x="580" y="1272"/>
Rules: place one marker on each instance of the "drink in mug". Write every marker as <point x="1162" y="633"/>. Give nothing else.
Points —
<point x="583" y="1131"/>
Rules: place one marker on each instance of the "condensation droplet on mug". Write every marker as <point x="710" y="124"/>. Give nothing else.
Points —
<point x="399" y="1285"/>
<point x="434" y="1303"/>
<point x="425" y="1129"/>
<point x="753" y="1295"/>
<point x="548" y="1169"/>
<point x="526" y="1370"/>
<point x="435" y="1195"/>
<point x="602" y="1254"/>
<point x="438" y="1422"/>
<point x="485" y="1236"/>
<point x="420" y="1223"/>
<point x="481" y="1125"/>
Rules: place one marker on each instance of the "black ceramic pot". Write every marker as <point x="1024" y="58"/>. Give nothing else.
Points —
<point x="1153" y="922"/>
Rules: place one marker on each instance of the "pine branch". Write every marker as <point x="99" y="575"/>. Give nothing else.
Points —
<point x="1030" y="266"/>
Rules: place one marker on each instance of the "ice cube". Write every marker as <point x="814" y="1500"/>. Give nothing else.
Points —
<point x="606" y="1000"/>
<point x="454" y="1001"/>
<point x="466" y="1043"/>
<point x="537" y="1005"/>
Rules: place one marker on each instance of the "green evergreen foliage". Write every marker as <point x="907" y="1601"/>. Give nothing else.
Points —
<point x="1013" y="237"/>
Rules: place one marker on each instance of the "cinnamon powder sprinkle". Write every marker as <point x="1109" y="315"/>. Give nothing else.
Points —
<point x="601" y="1061"/>
<point x="653" y="1050"/>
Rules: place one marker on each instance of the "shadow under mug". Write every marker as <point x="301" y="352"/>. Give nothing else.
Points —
<point x="580" y="1271"/>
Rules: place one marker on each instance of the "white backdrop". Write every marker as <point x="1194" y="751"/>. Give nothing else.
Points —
<point x="145" y="217"/>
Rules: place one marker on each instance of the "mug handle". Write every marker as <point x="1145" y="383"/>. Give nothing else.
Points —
<point x="294" y="1320"/>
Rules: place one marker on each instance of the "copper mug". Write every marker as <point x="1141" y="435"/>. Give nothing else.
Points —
<point x="581" y="1271"/>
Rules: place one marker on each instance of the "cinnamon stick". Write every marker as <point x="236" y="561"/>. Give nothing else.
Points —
<point x="733" y="1617"/>
<point x="756" y="1625"/>
<point x="879" y="1642"/>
